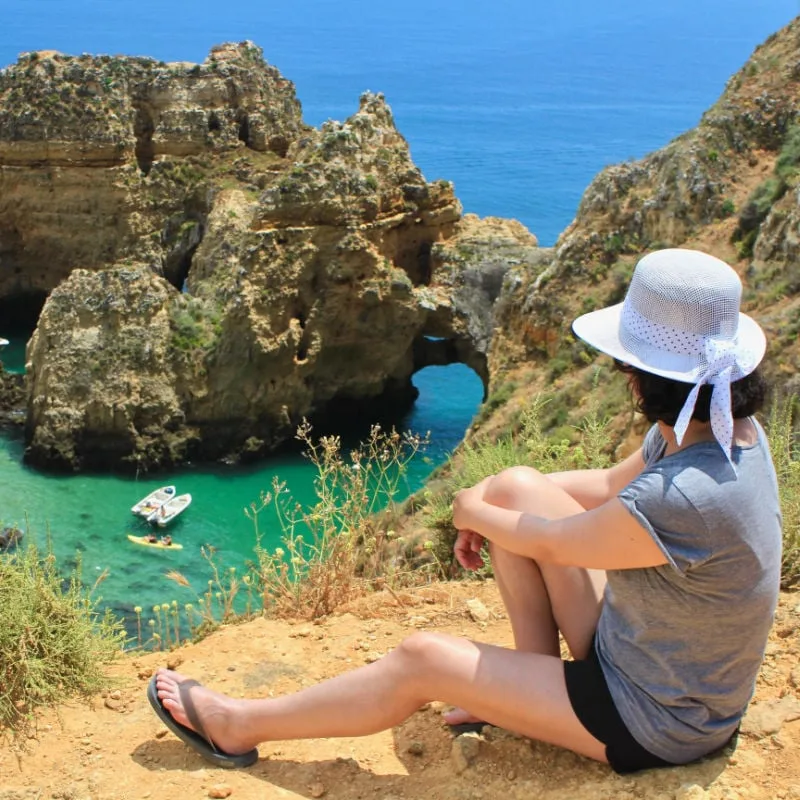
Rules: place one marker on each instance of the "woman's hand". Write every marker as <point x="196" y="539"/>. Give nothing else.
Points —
<point x="467" y="549"/>
<point x="467" y="500"/>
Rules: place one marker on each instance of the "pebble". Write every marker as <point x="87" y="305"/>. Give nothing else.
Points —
<point x="477" y="610"/>
<point x="220" y="790"/>
<point x="198" y="774"/>
<point x="691" y="791"/>
<point x="794" y="677"/>
<point x="465" y="750"/>
<point x="416" y="748"/>
<point x="767" y="718"/>
<point x="316" y="789"/>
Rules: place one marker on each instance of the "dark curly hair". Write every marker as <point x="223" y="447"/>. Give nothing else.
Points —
<point x="661" y="399"/>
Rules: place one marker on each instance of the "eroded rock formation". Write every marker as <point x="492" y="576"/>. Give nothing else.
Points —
<point x="216" y="269"/>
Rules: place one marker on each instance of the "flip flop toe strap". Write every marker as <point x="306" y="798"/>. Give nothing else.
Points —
<point x="184" y="688"/>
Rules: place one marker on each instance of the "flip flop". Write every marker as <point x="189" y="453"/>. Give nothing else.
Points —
<point x="200" y="743"/>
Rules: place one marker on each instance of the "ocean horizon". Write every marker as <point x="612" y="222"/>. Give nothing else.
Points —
<point x="520" y="108"/>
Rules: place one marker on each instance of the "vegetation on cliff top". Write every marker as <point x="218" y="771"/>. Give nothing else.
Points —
<point x="54" y="641"/>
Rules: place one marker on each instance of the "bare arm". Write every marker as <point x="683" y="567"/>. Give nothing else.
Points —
<point x="606" y="537"/>
<point x="593" y="487"/>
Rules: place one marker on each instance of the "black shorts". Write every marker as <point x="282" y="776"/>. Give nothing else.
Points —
<point x="593" y="706"/>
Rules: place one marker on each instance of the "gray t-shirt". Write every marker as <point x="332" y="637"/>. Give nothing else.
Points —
<point x="681" y="644"/>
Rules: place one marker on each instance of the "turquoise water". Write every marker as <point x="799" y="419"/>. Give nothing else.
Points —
<point x="13" y="355"/>
<point x="91" y="514"/>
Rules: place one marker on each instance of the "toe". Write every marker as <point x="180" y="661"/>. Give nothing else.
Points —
<point x="459" y="716"/>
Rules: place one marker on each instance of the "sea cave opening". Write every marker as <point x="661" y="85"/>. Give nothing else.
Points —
<point x="19" y="314"/>
<point x="439" y="401"/>
<point x="448" y="399"/>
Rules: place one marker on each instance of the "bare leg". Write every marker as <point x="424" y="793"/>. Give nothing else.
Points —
<point x="541" y="599"/>
<point x="523" y="692"/>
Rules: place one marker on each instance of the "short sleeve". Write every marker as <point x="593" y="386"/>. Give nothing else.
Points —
<point x="671" y="519"/>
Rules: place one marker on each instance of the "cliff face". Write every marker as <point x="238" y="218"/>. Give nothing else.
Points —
<point x="79" y="138"/>
<point x="728" y="186"/>
<point x="300" y="269"/>
<point x="215" y="269"/>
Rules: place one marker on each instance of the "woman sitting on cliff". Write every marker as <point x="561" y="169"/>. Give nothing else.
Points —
<point x="661" y="573"/>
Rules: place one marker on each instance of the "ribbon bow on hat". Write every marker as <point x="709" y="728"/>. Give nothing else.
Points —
<point x="680" y="320"/>
<point x="722" y="368"/>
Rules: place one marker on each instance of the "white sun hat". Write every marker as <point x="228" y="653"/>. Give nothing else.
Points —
<point x="680" y="319"/>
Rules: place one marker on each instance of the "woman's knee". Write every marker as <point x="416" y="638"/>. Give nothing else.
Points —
<point x="420" y="650"/>
<point x="514" y="484"/>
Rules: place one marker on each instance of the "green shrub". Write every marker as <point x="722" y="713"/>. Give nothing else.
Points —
<point x="621" y="274"/>
<point x="755" y="211"/>
<point x="614" y="244"/>
<point x="788" y="164"/>
<point x="498" y="397"/>
<point x="783" y="443"/>
<point x="53" y="640"/>
<point x="341" y="546"/>
<point x="767" y="193"/>
<point x="557" y="367"/>
<point x="196" y="324"/>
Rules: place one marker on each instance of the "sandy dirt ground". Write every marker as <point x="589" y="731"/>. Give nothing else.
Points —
<point x="116" y="749"/>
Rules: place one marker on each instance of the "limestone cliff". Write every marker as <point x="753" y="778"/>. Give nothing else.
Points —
<point x="214" y="268"/>
<point x="94" y="155"/>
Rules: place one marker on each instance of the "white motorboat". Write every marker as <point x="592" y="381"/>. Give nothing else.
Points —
<point x="147" y="505"/>
<point x="169" y="510"/>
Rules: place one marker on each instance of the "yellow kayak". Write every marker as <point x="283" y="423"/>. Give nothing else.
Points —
<point x="159" y="545"/>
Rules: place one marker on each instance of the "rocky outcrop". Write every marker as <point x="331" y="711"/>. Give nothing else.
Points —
<point x="300" y="271"/>
<point x="215" y="269"/>
<point x="672" y="194"/>
<point x="94" y="153"/>
<point x="102" y="374"/>
<point x="12" y="398"/>
<point x="470" y="269"/>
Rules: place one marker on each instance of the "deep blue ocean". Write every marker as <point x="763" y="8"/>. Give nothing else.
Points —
<point x="518" y="102"/>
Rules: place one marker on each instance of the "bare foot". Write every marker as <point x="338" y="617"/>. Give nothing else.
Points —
<point x="460" y="716"/>
<point x="217" y="712"/>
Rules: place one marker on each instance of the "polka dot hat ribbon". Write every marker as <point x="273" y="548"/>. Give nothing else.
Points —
<point x="722" y="361"/>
